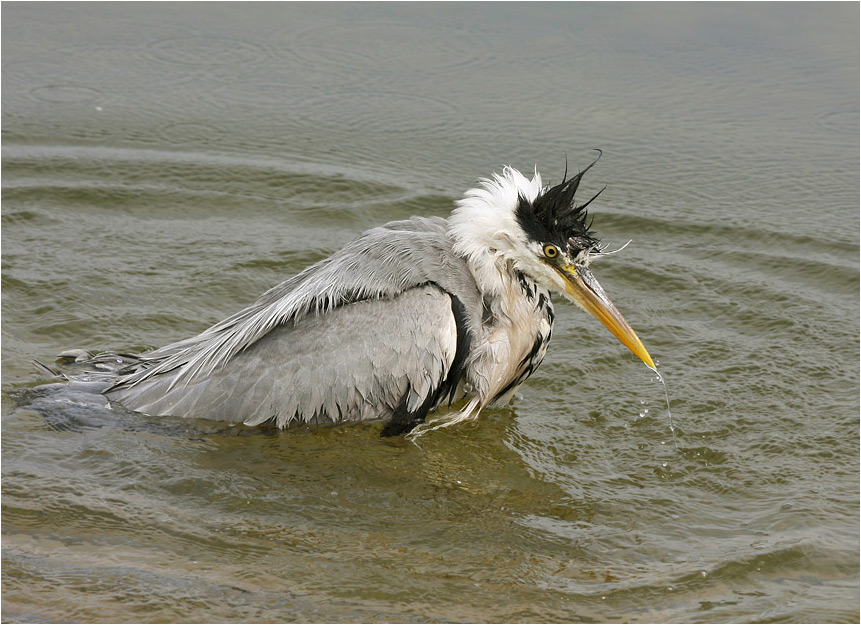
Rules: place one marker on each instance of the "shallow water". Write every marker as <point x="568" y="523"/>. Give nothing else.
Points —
<point x="165" y="164"/>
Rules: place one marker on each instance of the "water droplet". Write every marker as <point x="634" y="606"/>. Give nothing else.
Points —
<point x="663" y="464"/>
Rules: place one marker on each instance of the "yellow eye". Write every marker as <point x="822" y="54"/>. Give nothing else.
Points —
<point x="551" y="251"/>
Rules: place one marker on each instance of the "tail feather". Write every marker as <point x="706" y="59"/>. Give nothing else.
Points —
<point x="46" y="370"/>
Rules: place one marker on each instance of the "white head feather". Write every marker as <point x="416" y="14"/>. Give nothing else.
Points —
<point x="486" y="232"/>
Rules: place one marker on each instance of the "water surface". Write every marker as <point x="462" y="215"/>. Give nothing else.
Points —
<point x="165" y="164"/>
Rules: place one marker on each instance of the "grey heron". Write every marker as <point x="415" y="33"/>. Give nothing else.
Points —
<point x="406" y="319"/>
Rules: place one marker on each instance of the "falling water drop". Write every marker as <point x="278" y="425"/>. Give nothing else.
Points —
<point x="663" y="382"/>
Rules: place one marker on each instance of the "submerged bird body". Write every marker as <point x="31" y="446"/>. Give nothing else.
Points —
<point x="410" y="316"/>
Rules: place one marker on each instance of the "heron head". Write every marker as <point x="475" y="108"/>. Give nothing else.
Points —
<point x="543" y="233"/>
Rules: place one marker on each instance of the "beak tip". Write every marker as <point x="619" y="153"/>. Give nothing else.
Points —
<point x="585" y="290"/>
<point x="641" y="353"/>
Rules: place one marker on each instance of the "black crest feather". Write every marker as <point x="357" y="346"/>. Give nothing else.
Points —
<point x="554" y="217"/>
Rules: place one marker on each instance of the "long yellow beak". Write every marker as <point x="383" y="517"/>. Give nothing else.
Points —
<point x="585" y="290"/>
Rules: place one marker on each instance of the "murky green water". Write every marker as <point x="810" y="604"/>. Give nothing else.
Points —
<point x="164" y="164"/>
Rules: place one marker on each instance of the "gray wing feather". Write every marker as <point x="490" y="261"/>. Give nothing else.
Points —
<point x="381" y="263"/>
<point x="356" y="362"/>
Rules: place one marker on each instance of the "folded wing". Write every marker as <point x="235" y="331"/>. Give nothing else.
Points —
<point x="390" y="358"/>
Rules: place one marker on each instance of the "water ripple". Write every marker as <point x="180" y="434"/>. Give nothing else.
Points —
<point x="66" y="94"/>
<point x="208" y="52"/>
<point x="367" y="47"/>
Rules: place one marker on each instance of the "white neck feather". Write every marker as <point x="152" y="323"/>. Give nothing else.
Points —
<point x="485" y="229"/>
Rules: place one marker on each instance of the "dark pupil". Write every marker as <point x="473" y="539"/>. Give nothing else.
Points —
<point x="550" y="251"/>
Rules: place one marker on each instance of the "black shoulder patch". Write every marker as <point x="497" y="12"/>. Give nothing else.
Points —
<point x="464" y="343"/>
